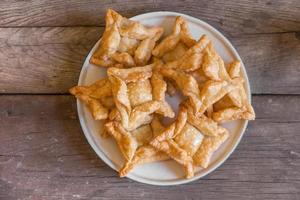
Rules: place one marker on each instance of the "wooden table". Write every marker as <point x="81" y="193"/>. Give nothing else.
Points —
<point x="43" y="152"/>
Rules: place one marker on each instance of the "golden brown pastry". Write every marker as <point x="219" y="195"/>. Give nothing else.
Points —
<point x="235" y="105"/>
<point x="238" y="106"/>
<point x="213" y="65"/>
<point x="213" y="91"/>
<point x="125" y="43"/>
<point x="134" y="96"/>
<point x="146" y="153"/>
<point x="191" y="60"/>
<point x="183" y="140"/>
<point x="208" y="146"/>
<point x="176" y="44"/>
<point x="125" y="140"/>
<point x="159" y="89"/>
<point x="210" y="93"/>
<point x="206" y="125"/>
<point x="97" y="97"/>
<point x="186" y="83"/>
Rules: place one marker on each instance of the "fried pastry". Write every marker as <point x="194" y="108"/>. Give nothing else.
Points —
<point x="134" y="96"/>
<point x="205" y="124"/>
<point x="213" y="65"/>
<point x="191" y="60"/>
<point x="125" y="140"/>
<point x="165" y="142"/>
<point x="246" y="111"/>
<point x="214" y="68"/>
<point x="200" y="77"/>
<point x="240" y="107"/>
<point x="211" y="92"/>
<point x="143" y="155"/>
<point x="187" y="84"/>
<point x="159" y="89"/>
<point x="125" y="43"/>
<point x="183" y="139"/>
<point x="96" y="97"/>
<point x="224" y="102"/>
<point x="146" y="153"/>
<point x="208" y="146"/>
<point x="176" y="44"/>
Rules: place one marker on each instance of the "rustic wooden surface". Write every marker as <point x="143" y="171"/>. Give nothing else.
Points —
<point x="34" y="59"/>
<point x="43" y="153"/>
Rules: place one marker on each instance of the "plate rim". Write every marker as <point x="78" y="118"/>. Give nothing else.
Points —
<point x="227" y="153"/>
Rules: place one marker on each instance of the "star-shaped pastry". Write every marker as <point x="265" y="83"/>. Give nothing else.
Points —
<point x="146" y="153"/>
<point x="200" y="100"/>
<point x="190" y="140"/>
<point x="97" y="96"/>
<point x="125" y="43"/>
<point x="176" y="44"/>
<point x="138" y="92"/>
<point x="134" y="145"/>
<point x="239" y="106"/>
<point x="235" y="105"/>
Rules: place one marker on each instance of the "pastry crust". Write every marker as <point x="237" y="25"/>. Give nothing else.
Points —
<point x="139" y="92"/>
<point x="125" y="43"/>
<point x="187" y="84"/>
<point x="246" y="111"/>
<point x="211" y="91"/>
<point x="225" y="102"/>
<point x="174" y="45"/>
<point x="159" y="88"/>
<point x="235" y="105"/>
<point x="206" y="125"/>
<point x="134" y="98"/>
<point x="95" y="96"/>
<point x="126" y="142"/>
<point x="239" y="106"/>
<point x="146" y="153"/>
<point x="191" y="60"/>
<point x="235" y="95"/>
<point x="208" y="146"/>
<point x="143" y="134"/>
<point x="131" y="143"/>
<point x="184" y="140"/>
<point x="165" y="142"/>
<point x="213" y="65"/>
<point x="189" y="139"/>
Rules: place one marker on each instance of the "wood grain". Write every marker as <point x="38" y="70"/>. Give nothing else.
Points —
<point x="44" y="155"/>
<point x="43" y="60"/>
<point x="231" y="17"/>
<point x="43" y="152"/>
<point x="49" y="59"/>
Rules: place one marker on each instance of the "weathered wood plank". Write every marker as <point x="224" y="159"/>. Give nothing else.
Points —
<point x="44" y="155"/>
<point x="48" y="60"/>
<point x="232" y="17"/>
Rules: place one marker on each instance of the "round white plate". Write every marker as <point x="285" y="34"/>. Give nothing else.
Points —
<point x="165" y="172"/>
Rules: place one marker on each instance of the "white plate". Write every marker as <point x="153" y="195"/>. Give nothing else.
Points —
<point x="165" y="172"/>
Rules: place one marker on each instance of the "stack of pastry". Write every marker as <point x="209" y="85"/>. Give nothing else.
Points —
<point x="142" y="68"/>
